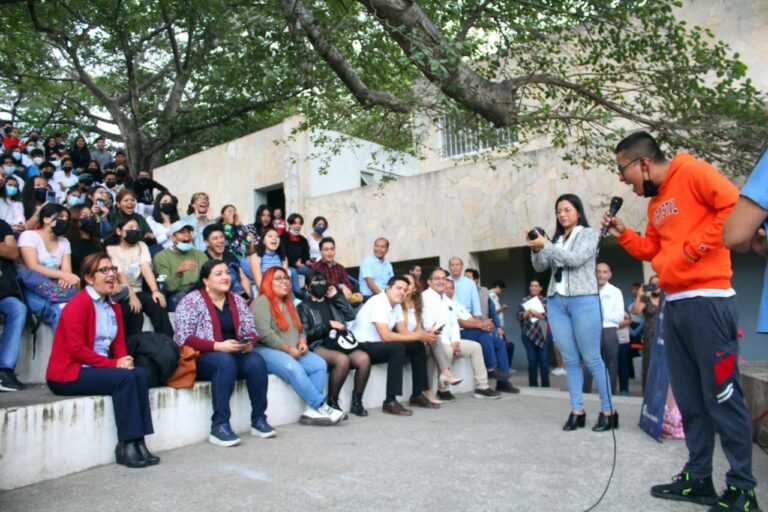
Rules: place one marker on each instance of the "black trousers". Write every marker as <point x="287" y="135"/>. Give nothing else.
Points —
<point x="703" y="355"/>
<point x="130" y="396"/>
<point x="394" y="355"/>
<point x="158" y="315"/>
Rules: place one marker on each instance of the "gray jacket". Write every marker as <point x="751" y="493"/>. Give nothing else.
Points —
<point x="578" y="263"/>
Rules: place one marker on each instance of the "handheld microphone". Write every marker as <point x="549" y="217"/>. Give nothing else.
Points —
<point x="616" y="203"/>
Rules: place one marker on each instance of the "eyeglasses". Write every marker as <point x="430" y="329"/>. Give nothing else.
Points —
<point x="281" y="278"/>
<point x="107" y="270"/>
<point x="623" y="168"/>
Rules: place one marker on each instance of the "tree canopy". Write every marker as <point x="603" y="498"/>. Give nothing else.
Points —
<point x="173" y="77"/>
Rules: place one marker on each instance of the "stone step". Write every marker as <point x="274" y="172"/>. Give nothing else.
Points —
<point x="49" y="440"/>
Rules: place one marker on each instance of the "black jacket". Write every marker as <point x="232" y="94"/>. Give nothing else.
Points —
<point x="316" y="330"/>
<point x="157" y="353"/>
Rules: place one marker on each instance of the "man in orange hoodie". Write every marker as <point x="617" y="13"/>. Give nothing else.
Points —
<point x="690" y="201"/>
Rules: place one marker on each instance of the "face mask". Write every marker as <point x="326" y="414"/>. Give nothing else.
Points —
<point x="318" y="289"/>
<point x="119" y="179"/>
<point x="48" y="175"/>
<point x="88" y="223"/>
<point x="31" y="148"/>
<point x="60" y="227"/>
<point x="320" y="229"/>
<point x="144" y="181"/>
<point x="649" y="189"/>
<point x="66" y="169"/>
<point x="167" y="208"/>
<point x="132" y="236"/>
<point x="56" y="163"/>
<point x="38" y="160"/>
<point x="11" y="191"/>
<point x="9" y="169"/>
<point x="184" y="246"/>
<point x="110" y="183"/>
<point x="16" y="155"/>
<point x="293" y="232"/>
<point x="40" y="194"/>
<point x="75" y="200"/>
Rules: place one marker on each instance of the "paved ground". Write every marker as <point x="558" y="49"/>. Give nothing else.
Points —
<point x="470" y="455"/>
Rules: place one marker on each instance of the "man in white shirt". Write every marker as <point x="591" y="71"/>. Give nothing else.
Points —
<point x="612" y="302"/>
<point x="380" y="329"/>
<point x="438" y="311"/>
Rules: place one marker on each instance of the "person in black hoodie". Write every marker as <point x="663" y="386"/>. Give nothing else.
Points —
<point x="144" y="188"/>
<point x="324" y="315"/>
<point x="296" y="250"/>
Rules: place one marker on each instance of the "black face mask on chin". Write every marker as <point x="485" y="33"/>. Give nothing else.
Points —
<point x="649" y="189"/>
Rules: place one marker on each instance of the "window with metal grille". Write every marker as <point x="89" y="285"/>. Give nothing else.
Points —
<point x="457" y="139"/>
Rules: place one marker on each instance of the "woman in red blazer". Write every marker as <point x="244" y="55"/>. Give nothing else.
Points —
<point x="89" y="357"/>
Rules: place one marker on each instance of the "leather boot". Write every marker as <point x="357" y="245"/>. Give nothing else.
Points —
<point x="575" y="421"/>
<point x="605" y="423"/>
<point x="357" y="405"/>
<point x="127" y="454"/>
<point x="148" y="457"/>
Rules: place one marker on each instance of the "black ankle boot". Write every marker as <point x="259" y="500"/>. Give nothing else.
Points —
<point x="357" y="405"/>
<point x="605" y="423"/>
<point x="334" y="402"/>
<point x="150" y="459"/>
<point x="127" y="454"/>
<point x="575" y="421"/>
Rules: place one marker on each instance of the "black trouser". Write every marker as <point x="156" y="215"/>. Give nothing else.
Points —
<point x="158" y="315"/>
<point x="609" y="351"/>
<point x="394" y="355"/>
<point x="703" y="355"/>
<point x="130" y="396"/>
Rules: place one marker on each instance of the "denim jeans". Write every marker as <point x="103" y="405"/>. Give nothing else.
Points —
<point x="494" y="348"/>
<point x="223" y="370"/>
<point x="15" y="313"/>
<point x="295" y="272"/>
<point x="47" y="311"/>
<point x="307" y="376"/>
<point x="538" y="361"/>
<point x="576" y="328"/>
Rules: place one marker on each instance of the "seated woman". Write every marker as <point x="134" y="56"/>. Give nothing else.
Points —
<point x="436" y="355"/>
<point x="235" y="233"/>
<point x="34" y="197"/>
<point x="125" y="206"/>
<point x="323" y="316"/>
<point x="83" y="235"/>
<point x="11" y="207"/>
<point x="164" y="213"/>
<point x="217" y="324"/>
<point x="269" y="253"/>
<point x="89" y="357"/>
<point x="97" y="201"/>
<point x="131" y="256"/>
<point x="284" y="347"/>
<point x="47" y="252"/>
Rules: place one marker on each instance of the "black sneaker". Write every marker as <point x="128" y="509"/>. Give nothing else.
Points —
<point x="446" y="396"/>
<point x="9" y="382"/>
<point x="685" y="488"/>
<point x="505" y="387"/>
<point x="734" y="498"/>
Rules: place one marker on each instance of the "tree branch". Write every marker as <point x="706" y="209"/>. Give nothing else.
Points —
<point x="471" y="20"/>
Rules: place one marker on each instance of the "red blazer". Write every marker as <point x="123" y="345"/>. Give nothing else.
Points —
<point x="75" y="337"/>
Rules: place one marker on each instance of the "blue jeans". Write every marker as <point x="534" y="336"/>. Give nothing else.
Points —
<point x="15" y="313"/>
<point x="45" y="310"/>
<point x="494" y="348"/>
<point x="223" y="370"/>
<point x="295" y="272"/>
<point x="538" y="361"/>
<point x="575" y="325"/>
<point x="307" y="376"/>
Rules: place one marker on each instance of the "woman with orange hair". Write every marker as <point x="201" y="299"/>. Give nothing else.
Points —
<point x="283" y="345"/>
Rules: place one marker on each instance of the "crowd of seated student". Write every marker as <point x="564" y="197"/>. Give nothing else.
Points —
<point x="75" y="219"/>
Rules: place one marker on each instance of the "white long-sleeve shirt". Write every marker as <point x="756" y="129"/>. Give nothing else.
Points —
<point x="613" y="305"/>
<point x="437" y="310"/>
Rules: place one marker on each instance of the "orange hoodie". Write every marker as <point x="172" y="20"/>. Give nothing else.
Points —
<point x="686" y="218"/>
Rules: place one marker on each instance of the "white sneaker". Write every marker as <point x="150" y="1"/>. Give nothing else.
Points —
<point x="558" y="371"/>
<point x="322" y="416"/>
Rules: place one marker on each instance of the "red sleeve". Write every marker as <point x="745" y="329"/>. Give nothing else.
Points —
<point x="719" y="194"/>
<point x="78" y="341"/>
<point x="641" y="247"/>
<point x="200" y="344"/>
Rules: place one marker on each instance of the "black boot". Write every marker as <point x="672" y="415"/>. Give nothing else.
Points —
<point x="127" y="454"/>
<point x="357" y="405"/>
<point x="334" y="402"/>
<point x="575" y="421"/>
<point x="605" y="423"/>
<point x="150" y="459"/>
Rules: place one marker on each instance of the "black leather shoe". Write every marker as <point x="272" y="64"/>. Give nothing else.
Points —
<point x="127" y="454"/>
<point x="357" y="405"/>
<point x="150" y="459"/>
<point x="575" y="421"/>
<point x="605" y="423"/>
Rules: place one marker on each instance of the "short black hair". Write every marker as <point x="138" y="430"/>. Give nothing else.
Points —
<point x="413" y="266"/>
<point x="641" y="144"/>
<point x="292" y="218"/>
<point x="436" y="269"/>
<point x="501" y="284"/>
<point x="318" y="219"/>
<point x="396" y="278"/>
<point x="474" y="272"/>
<point x="325" y="240"/>
<point x="210" y="228"/>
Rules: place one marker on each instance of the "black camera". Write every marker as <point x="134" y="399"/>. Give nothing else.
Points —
<point x="535" y="232"/>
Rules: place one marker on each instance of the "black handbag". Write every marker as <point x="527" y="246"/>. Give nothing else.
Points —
<point x="342" y="341"/>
